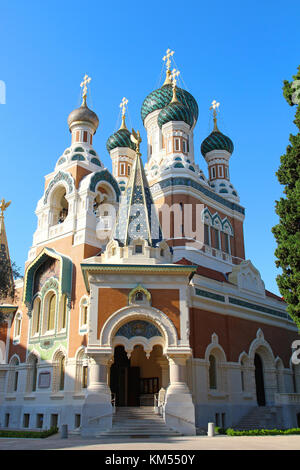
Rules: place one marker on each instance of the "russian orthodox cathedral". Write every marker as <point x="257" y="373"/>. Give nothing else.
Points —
<point x="137" y="293"/>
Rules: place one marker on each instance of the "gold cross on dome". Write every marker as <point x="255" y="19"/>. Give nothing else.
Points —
<point x="123" y="105"/>
<point x="83" y="84"/>
<point x="215" y="107"/>
<point x="174" y="76"/>
<point x="167" y="59"/>
<point x="3" y="206"/>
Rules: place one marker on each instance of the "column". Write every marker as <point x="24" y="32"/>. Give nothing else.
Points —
<point x="164" y="365"/>
<point x="179" y="410"/>
<point x="97" y="409"/>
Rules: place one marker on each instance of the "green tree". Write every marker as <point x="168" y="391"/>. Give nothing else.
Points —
<point x="8" y="272"/>
<point x="287" y="231"/>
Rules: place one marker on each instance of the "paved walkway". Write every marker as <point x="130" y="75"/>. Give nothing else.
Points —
<point x="172" y="443"/>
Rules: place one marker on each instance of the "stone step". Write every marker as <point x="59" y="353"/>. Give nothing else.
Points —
<point x="259" y="418"/>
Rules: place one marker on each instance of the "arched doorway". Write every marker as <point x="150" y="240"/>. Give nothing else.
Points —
<point x="259" y="380"/>
<point x="135" y="380"/>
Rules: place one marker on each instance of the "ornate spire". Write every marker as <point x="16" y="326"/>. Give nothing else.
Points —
<point x="167" y="60"/>
<point x="83" y="84"/>
<point x="215" y="108"/>
<point x="123" y="105"/>
<point x="137" y="217"/>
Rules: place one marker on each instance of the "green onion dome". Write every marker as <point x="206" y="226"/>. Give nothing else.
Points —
<point x="121" y="138"/>
<point x="175" y="111"/>
<point x="161" y="97"/>
<point x="216" y="141"/>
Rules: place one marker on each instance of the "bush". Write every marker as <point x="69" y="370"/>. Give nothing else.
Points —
<point x="219" y="430"/>
<point x="262" y="432"/>
<point x="29" y="434"/>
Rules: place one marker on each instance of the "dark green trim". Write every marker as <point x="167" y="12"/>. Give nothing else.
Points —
<point x="260" y="308"/>
<point x="210" y="295"/>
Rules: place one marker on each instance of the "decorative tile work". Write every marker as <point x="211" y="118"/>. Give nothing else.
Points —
<point x="138" y="328"/>
<point x="181" y="181"/>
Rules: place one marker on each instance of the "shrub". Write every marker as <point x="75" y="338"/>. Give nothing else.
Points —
<point x="262" y="432"/>
<point x="29" y="434"/>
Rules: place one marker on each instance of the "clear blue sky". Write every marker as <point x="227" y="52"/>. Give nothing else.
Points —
<point x="236" y="52"/>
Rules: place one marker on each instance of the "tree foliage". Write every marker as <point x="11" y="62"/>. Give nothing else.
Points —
<point x="287" y="231"/>
<point x="8" y="273"/>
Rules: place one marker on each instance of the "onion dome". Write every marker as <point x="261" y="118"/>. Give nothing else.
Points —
<point x="216" y="141"/>
<point x="175" y="111"/>
<point x="83" y="115"/>
<point x="121" y="138"/>
<point x="161" y="97"/>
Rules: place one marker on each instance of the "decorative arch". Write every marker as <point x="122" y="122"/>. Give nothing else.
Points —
<point x="149" y="314"/>
<point x="105" y="176"/>
<point x="63" y="178"/>
<point x="260" y="346"/>
<point x="65" y="275"/>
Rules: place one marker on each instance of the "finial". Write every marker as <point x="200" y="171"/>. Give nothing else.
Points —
<point x="215" y="108"/>
<point x="83" y="84"/>
<point x="174" y="76"/>
<point x="136" y="139"/>
<point x="3" y="206"/>
<point x="167" y="59"/>
<point x="123" y="104"/>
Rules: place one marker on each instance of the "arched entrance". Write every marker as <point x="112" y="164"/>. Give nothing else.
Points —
<point x="259" y="380"/>
<point x="136" y="379"/>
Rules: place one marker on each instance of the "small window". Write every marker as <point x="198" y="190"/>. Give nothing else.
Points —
<point x="62" y="373"/>
<point x="213" y="172"/>
<point x="54" y="421"/>
<point x="122" y="169"/>
<point x="226" y="172"/>
<point x="84" y="376"/>
<point x="26" y="420"/>
<point x="77" y="421"/>
<point x="39" y="420"/>
<point x="16" y="379"/>
<point x="220" y="170"/>
<point x="85" y="135"/>
<point x="177" y="144"/>
<point x="206" y="235"/>
<point x="227" y="243"/>
<point x="212" y="373"/>
<point x="184" y="146"/>
<point x="128" y="170"/>
<point x="138" y="249"/>
<point x="6" y="420"/>
<point x="216" y="238"/>
<point x="139" y="296"/>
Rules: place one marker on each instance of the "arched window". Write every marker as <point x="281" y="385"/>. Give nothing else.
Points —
<point x="63" y="313"/>
<point x="51" y="312"/>
<point x="18" y="323"/>
<point x="81" y="381"/>
<point x="36" y="316"/>
<point x="139" y="296"/>
<point x="59" y="205"/>
<point x="58" y="372"/>
<point x="212" y="372"/>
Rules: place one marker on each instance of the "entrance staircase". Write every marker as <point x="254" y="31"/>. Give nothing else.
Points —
<point x="138" y="422"/>
<point x="260" y="417"/>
